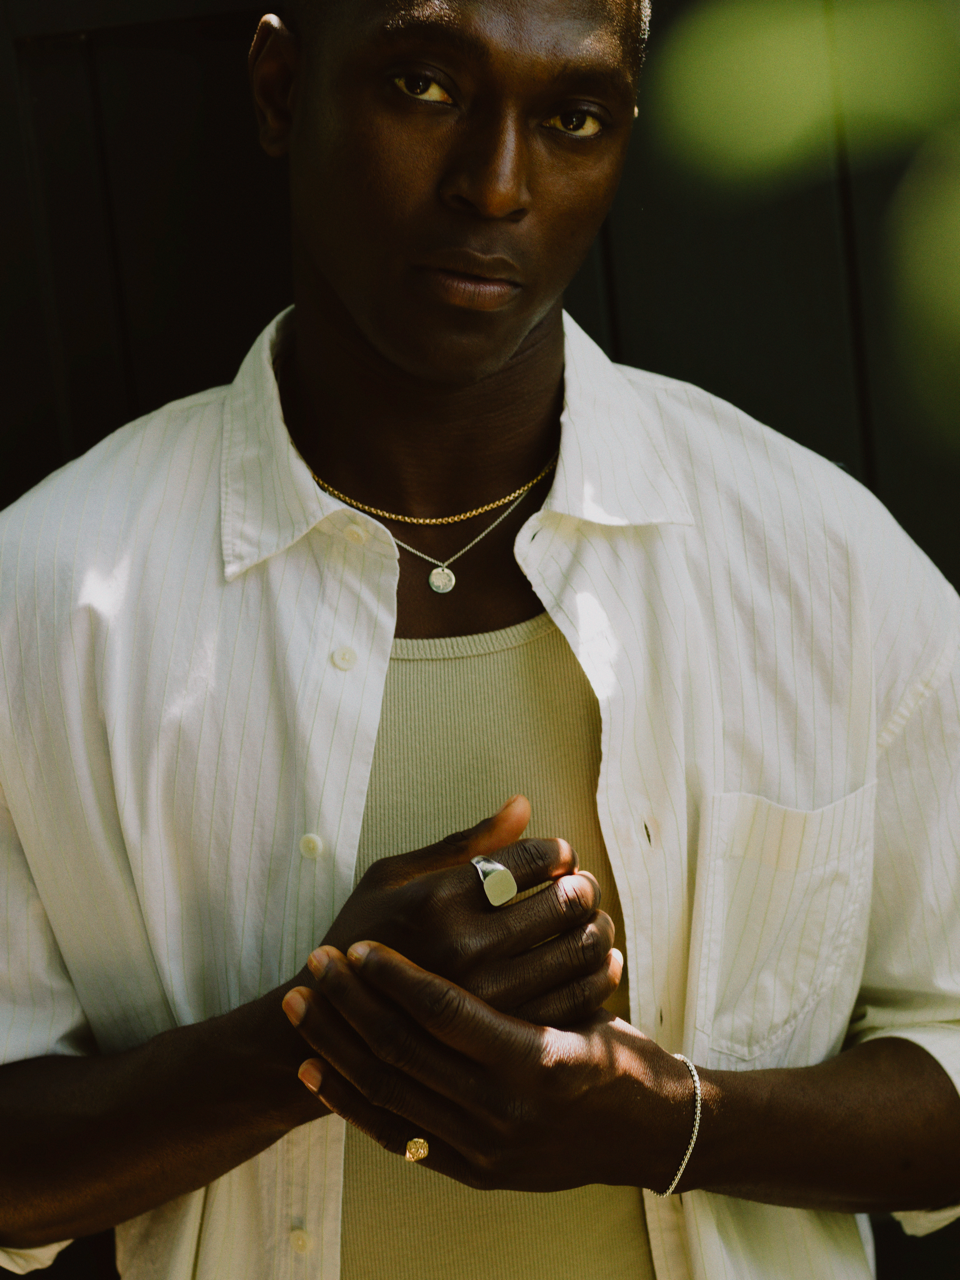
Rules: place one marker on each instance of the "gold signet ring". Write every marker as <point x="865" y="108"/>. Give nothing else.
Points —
<point x="418" y="1149"/>
<point x="498" y="882"/>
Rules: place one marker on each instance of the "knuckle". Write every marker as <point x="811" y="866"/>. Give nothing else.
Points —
<point x="445" y="1006"/>
<point x="590" y="948"/>
<point x="526" y="858"/>
<point x="574" y="896"/>
<point x="607" y="929"/>
<point x="377" y="874"/>
<point x="576" y="997"/>
<point x="455" y="842"/>
<point x="384" y="1089"/>
<point x="453" y="952"/>
<point x="385" y="1135"/>
<point x="484" y="985"/>
<point x="489" y="1161"/>
<point x="399" y="1048"/>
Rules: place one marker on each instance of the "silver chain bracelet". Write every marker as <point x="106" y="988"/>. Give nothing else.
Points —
<point x="696" y="1126"/>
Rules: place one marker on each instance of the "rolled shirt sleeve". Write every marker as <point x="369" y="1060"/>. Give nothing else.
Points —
<point x="39" y="1010"/>
<point x="911" y="983"/>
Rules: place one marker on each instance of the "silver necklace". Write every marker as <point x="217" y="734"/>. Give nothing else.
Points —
<point x="442" y="578"/>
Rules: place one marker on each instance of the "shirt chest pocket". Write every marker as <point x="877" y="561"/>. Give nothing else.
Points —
<point x="785" y="921"/>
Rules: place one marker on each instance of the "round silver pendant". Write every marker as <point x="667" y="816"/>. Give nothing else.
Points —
<point x="442" y="580"/>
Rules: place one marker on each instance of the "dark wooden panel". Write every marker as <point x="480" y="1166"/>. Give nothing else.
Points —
<point x="58" y="17"/>
<point x="748" y="300"/>
<point x="34" y="424"/>
<point x="918" y="478"/>
<point x="61" y="97"/>
<point x="202" y="239"/>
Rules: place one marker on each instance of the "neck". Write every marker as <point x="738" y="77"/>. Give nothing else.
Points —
<point x="397" y="442"/>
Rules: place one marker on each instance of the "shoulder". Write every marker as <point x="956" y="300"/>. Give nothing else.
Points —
<point x="785" y="521"/>
<point x="125" y="491"/>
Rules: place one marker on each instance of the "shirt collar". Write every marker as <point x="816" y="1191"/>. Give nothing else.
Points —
<point x="614" y="465"/>
<point x="268" y="498"/>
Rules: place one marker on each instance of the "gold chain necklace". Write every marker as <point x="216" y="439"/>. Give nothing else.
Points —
<point x="467" y="515"/>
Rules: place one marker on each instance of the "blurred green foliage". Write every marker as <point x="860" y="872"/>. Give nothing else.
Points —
<point x="755" y="96"/>
<point x="925" y="257"/>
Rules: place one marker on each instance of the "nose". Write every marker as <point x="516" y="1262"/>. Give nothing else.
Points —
<point x="489" y="172"/>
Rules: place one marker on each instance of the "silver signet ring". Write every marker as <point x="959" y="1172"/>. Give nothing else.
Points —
<point x="498" y="882"/>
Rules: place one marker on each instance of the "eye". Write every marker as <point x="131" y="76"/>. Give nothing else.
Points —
<point x="417" y="85"/>
<point x="576" y="124"/>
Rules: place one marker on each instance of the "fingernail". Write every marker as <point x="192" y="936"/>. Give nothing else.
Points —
<point x="311" y="1075"/>
<point x="318" y="962"/>
<point x="358" y="952"/>
<point x="295" y="1007"/>
<point x="504" y="807"/>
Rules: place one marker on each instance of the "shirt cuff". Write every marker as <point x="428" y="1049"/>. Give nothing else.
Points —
<point x="20" y="1261"/>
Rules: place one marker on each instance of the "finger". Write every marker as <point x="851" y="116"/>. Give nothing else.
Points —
<point x="532" y="863"/>
<point x="566" y="957"/>
<point x="395" y="1040"/>
<point x="451" y="1015"/>
<point x="388" y="1130"/>
<point x="568" y="903"/>
<point x="576" y="1001"/>
<point x="385" y="1086"/>
<point x="487" y="837"/>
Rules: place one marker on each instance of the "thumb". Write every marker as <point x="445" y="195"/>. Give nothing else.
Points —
<point x="506" y="826"/>
<point x="493" y="833"/>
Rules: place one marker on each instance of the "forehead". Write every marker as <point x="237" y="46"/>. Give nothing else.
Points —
<point x="574" y="31"/>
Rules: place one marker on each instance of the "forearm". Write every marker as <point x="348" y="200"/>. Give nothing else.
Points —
<point x="875" y="1129"/>
<point x="89" y="1142"/>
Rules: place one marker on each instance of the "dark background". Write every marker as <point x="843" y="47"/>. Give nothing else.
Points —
<point x="144" y="245"/>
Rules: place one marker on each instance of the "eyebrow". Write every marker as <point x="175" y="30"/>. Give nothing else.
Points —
<point x="407" y="26"/>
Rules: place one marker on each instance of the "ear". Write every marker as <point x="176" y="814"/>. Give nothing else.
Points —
<point x="273" y="62"/>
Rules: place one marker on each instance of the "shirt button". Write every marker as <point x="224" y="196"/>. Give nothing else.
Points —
<point x="300" y="1241"/>
<point x="311" y="846"/>
<point x="356" y="534"/>
<point x="344" y="659"/>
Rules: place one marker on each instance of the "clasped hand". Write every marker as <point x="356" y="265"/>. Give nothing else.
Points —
<point x="548" y="958"/>
<point x="503" y="1103"/>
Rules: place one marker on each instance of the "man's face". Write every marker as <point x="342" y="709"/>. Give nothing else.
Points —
<point x="451" y="162"/>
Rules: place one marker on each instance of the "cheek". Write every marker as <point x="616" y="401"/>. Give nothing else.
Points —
<point x="361" y="188"/>
<point x="571" y="216"/>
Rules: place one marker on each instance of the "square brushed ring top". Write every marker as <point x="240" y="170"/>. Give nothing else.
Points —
<point x="498" y="882"/>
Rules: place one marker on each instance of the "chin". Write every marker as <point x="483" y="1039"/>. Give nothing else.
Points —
<point x="457" y="354"/>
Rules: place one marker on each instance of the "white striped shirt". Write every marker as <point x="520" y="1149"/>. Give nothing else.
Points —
<point x="193" y="646"/>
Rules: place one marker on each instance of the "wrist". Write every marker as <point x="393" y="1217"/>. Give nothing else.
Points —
<point x="694" y="1130"/>
<point x="260" y="1055"/>
<point x="660" y="1107"/>
<point x="734" y="1114"/>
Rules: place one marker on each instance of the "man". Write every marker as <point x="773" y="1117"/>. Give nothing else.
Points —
<point x="241" y="672"/>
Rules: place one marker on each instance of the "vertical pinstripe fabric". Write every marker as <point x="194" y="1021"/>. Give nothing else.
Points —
<point x="193" y="647"/>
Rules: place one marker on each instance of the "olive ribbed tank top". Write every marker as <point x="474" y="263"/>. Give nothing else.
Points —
<point x="467" y="722"/>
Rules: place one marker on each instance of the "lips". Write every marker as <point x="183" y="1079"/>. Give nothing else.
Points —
<point x="467" y="262"/>
<point x="477" y="281"/>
